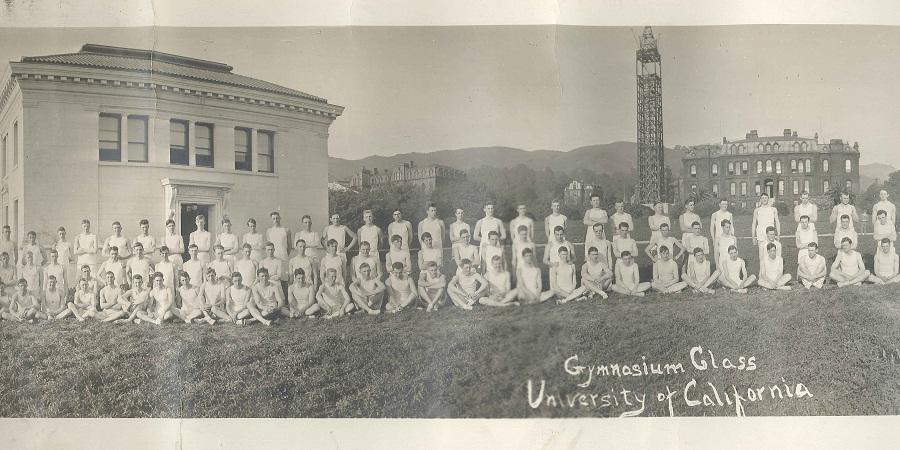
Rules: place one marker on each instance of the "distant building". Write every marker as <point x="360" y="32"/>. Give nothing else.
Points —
<point x="577" y="193"/>
<point x="427" y="177"/>
<point x="781" y="166"/>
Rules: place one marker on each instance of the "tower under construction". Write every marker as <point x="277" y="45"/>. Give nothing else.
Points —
<point x="650" y="161"/>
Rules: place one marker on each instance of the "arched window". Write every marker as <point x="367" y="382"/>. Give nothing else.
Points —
<point x="800" y="166"/>
<point x="796" y="146"/>
<point x="804" y="146"/>
<point x="693" y="170"/>
<point x="793" y="166"/>
<point x="796" y="186"/>
<point x="715" y="169"/>
<point x="780" y="187"/>
<point x="825" y="186"/>
<point x="731" y="168"/>
<point x="759" y="168"/>
<point x="808" y="165"/>
<point x="733" y="149"/>
<point x="776" y="147"/>
<point x="741" y="149"/>
<point x="825" y="166"/>
<point x="759" y="148"/>
<point x="768" y="166"/>
<point x="768" y="148"/>
<point x="778" y="166"/>
<point x="715" y="188"/>
<point x="848" y="166"/>
<point x="745" y="167"/>
<point x="757" y="188"/>
<point x="733" y="189"/>
<point x="743" y="188"/>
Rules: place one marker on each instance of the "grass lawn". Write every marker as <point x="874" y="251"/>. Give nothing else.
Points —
<point x="840" y="343"/>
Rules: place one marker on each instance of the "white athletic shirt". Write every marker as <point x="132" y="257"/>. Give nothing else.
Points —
<point x="810" y="209"/>
<point x="456" y="227"/>
<point x="811" y="265"/>
<point x="686" y="220"/>
<point x="655" y="221"/>
<point x="488" y="252"/>
<point x="312" y="239"/>
<point x="467" y="252"/>
<point x="339" y="234"/>
<point x="230" y="242"/>
<point x="267" y="296"/>
<point x="565" y="277"/>
<point x="851" y="263"/>
<point x="247" y="268"/>
<point x="489" y="224"/>
<point x="359" y="260"/>
<point x="518" y="221"/>
<point x="469" y="284"/>
<point x="667" y="270"/>
<point x="884" y="263"/>
<point x="888" y="207"/>
<point x="804" y="237"/>
<point x="553" y="221"/>
<point x="733" y="268"/>
<point x="223" y="268"/>
<point x="194" y="268"/>
<point x="693" y="241"/>
<point x="530" y="278"/>
<point x="595" y="271"/>
<point x="432" y="227"/>
<point x="765" y="217"/>
<point x="621" y="244"/>
<point x="202" y="240"/>
<point x="840" y="234"/>
<point x="841" y="209"/>
<point x="618" y="218"/>
<point x="148" y="242"/>
<point x="279" y="237"/>
<point x="84" y="241"/>
<point x="431" y="254"/>
<point x="239" y="297"/>
<point x="121" y="243"/>
<point x="724" y="243"/>
<point x="141" y="267"/>
<point x="884" y="231"/>
<point x="700" y="271"/>
<point x="497" y="281"/>
<point x="189" y="298"/>
<point x="717" y="217"/>
<point x="595" y="216"/>
<point x="774" y="269"/>
<point x="627" y="274"/>
<point x="370" y="234"/>
<point x="404" y="229"/>
<point x="257" y="251"/>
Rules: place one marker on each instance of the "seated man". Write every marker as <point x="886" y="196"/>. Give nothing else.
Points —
<point x="771" y="275"/>
<point x="628" y="279"/>
<point x="806" y="233"/>
<point x="883" y="228"/>
<point x="332" y="299"/>
<point x="529" y="285"/>
<point x="886" y="263"/>
<point x="500" y="292"/>
<point x="366" y="291"/>
<point x="811" y="267"/>
<point x="848" y="267"/>
<point x="734" y="274"/>
<point x="666" y="277"/>
<point x="267" y="300"/>
<point x="400" y="289"/>
<point x="562" y="279"/>
<point x="845" y="230"/>
<point x="432" y="286"/>
<point x="596" y="275"/>
<point x="697" y="273"/>
<point x="301" y="293"/>
<point x="467" y="286"/>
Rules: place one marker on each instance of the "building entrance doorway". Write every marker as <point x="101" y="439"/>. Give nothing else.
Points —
<point x="189" y="213"/>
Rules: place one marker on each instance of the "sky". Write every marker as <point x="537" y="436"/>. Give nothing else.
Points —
<point x="422" y="89"/>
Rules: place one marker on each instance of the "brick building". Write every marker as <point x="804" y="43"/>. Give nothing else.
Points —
<point x="427" y="177"/>
<point x="782" y="166"/>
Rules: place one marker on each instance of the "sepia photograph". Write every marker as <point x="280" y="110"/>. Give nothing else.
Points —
<point x="495" y="221"/>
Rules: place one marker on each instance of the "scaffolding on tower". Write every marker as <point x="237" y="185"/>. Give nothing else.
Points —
<point x="651" y="171"/>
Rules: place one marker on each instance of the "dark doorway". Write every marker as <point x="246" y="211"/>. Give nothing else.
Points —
<point x="189" y="213"/>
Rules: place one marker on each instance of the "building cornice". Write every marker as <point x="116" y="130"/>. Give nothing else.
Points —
<point x="7" y="91"/>
<point x="325" y="110"/>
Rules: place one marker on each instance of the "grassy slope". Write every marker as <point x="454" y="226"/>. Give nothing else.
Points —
<point x="842" y="344"/>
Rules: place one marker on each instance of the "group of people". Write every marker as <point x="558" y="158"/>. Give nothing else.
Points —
<point x="259" y="277"/>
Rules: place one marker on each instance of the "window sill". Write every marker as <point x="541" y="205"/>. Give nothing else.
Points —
<point x="186" y="168"/>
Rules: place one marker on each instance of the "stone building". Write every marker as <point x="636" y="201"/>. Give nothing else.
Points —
<point x="782" y="166"/>
<point x="426" y="177"/>
<point x="109" y="133"/>
<point x="577" y="193"/>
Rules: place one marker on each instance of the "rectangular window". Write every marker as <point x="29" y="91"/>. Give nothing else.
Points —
<point x="808" y="165"/>
<point x="806" y="185"/>
<point x="715" y="170"/>
<point x="757" y="188"/>
<point x="16" y="145"/>
<point x="715" y="189"/>
<point x="745" y="167"/>
<point x="731" y="168"/>
<point x="178" y="143"/>
<point x="265" y="155"/>
<point x="137" y="139"/>
<point x="796" y="187"/>
<point x="110" y="138"/>
<point x="780" y="187"/>
<point x="242" y="149"/>
<point x="793" y="166"/>
<point x="743" y="188"/>
<point x="733" y="189"/>
<point x="15" y="224"/>
<point x="800" y="166"/>
<point x="849" y="186"/>
<point x="825" y="166"/>
<point x="825" y="187"/>
<point x="847" y="164"/>
<point x="203" y="144"/>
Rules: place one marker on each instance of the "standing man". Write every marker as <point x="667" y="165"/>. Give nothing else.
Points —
<point x="369" y="232"/>
<point x="594" y="215"/>
<point x="885" y="205"/>
<point x="715" y="221"/>
<point x="764" y="216"/>
<point x="487" y="224"/>
<point x="555" y="219"/>
<point x="621" y="216"/>
<point x="844" y="208"/>
<point x="146" y="240"/>
<point x="806" y="208"/>
<point x="201" y="238"/>
<point x="9" y="247"/>
<point x="338" y="232"/>
<point x="433" y="226"/>
<point x="402" y="227"/>
<point x="522" y="220"/>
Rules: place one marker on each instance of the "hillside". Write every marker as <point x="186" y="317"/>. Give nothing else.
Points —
<point x="868" y="173"/>
<point x="615" y="157"/>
